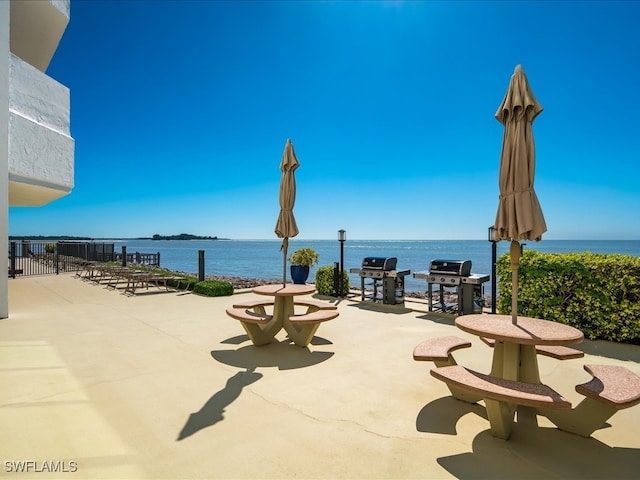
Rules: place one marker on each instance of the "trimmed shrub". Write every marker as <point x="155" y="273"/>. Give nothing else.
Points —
<point x="597" y="293"/>
<point x="324" y="281"/>
<point x="213" y="288"/>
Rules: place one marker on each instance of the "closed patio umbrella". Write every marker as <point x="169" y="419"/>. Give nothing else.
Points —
<point x="519" y="214"/>
<point x="286" y="226"/>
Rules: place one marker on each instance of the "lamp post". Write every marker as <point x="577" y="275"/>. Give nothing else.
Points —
<point x="342" y="237"/>
<point x="494" y="248"/>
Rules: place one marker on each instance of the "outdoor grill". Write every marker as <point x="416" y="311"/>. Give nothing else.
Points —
<point x="387" y="283"/>
<point x="457" y="274"/>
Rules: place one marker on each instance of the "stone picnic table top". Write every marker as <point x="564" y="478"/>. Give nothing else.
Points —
<point x="527" y="330"/>
<point x="288" y="290"/>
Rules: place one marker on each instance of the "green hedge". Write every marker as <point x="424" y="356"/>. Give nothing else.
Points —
<point x="324" y="281"/>
<point x="596" y="293"/>
<point x="213" y="288"/>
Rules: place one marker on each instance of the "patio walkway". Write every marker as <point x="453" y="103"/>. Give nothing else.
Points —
<point x="166" y="385"/>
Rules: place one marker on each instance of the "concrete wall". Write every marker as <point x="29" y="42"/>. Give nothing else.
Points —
<point x="4" y="151"/>
<point x="36" y="148"/>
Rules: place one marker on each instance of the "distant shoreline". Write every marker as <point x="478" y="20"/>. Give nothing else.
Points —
<point x="44" y="238"/>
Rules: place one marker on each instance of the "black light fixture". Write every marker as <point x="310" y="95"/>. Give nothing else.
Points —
<point x="342" y="237"/>
<point x="494" y="248"/>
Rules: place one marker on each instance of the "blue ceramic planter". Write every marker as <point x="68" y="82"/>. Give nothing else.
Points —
<point x="299" y="274"/>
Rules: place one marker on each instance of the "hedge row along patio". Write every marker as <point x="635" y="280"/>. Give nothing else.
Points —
<point x="597" y="293"/>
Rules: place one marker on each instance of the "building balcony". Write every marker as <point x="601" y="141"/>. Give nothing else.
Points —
<point x="36" y="29"/>
<point x="41" y="150"/>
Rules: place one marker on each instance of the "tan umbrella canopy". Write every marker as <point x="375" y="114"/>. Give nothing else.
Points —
<point x="519" y="214"/>
<point x="286" y="226"/>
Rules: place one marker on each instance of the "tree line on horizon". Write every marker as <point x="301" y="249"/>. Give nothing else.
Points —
<point x="182" y="236"/>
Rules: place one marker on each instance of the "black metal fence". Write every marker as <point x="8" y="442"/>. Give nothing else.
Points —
<point x="150" y="259"/>
<point x="45" y="258"/>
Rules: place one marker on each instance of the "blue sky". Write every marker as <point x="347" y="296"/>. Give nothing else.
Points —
<point x="180" y="112"/>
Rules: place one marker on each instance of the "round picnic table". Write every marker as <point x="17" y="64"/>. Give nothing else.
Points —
<point x="514" y="355"/>
<point x="283" y="302"/>
<point x="518" y="386"/>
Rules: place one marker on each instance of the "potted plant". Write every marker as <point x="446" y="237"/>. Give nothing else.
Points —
<point x="301" y="262"/>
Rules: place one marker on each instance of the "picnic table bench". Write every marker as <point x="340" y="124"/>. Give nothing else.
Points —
<point x="248" y="315"/>
<point x="438" y="350"/>
<point x="612" y="388"/>
<point x="500" y="395"/>
<point x="301" y="328"/>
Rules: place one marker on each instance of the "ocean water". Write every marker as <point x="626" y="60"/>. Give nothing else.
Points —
<point x="263" y="258"/>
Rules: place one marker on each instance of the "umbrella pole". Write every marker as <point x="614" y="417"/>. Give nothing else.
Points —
<point x="285" y="247"/>
<point x="514" y="253"/>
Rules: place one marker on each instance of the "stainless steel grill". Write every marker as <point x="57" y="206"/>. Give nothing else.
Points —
<point x="387" y="283"/>
<point x="377" y="267"/>
<point x="456" y="274"/>
<point x="450" y="267"/>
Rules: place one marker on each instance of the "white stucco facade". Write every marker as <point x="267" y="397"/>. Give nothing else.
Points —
<point x="40" y="145"/>
<point x="36" y="148"/>
<point x="4" y="150"/>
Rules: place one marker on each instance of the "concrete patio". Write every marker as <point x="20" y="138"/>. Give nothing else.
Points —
<point x="97" y="384"/>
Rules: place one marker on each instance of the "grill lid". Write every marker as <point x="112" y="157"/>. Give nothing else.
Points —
<point x="380" y="263"/>
<point x="451" y="267"/>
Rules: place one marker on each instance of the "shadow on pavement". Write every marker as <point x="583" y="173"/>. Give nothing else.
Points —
<point x="534" y="453"/>
<point x="283" y="355"/>
<point x="213" y="410"/>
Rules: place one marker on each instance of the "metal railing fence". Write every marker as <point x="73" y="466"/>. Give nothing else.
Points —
<point x="30" y="258"/>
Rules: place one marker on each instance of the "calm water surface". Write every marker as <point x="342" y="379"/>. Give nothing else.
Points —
<point x="263" y="258"/>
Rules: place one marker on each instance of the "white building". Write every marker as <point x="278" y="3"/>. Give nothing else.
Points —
<point x="36" y="148"/>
